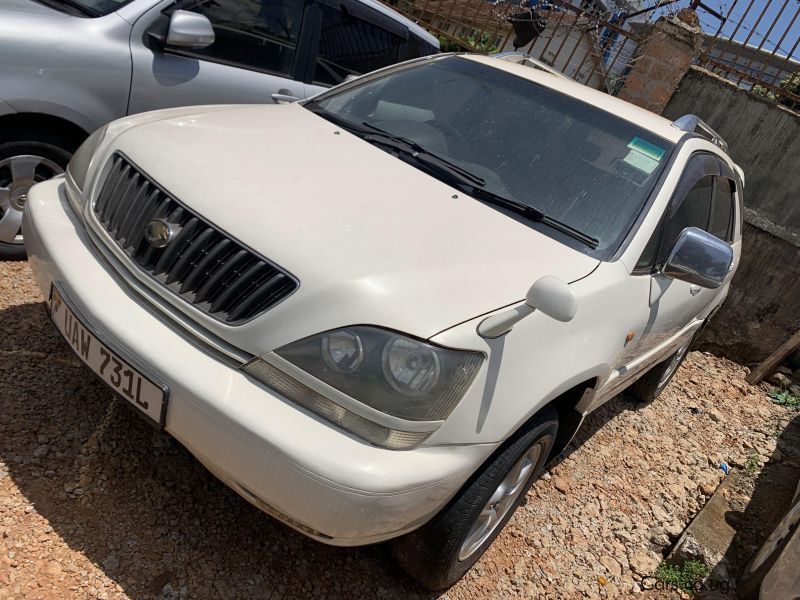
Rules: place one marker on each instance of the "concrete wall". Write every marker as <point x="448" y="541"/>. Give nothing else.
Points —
<point x="763" y="309"/>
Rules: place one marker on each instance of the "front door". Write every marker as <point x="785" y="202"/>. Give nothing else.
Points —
<point x="699" y="201"/>
<point x="255" y="56"/>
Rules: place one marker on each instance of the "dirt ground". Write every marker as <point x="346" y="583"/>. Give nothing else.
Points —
<point x="93" y="504"/>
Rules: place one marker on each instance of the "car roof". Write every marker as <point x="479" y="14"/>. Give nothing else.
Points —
<point x="625" y="110"/>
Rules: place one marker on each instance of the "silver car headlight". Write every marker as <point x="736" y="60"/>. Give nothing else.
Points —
<point x="78" y="168"/>
<point x="408" y="386"/>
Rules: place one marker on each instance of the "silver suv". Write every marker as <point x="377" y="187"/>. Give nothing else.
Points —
<point x="70" y="66"/>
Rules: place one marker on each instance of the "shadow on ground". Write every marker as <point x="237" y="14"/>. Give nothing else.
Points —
<point x="140" y="506"/>
<point x="770" y="493"/>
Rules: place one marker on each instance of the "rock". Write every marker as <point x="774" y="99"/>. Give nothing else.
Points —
<point x="643" y="564"/>
<point x="561" y="484"/>
<point x="519" y="568"/>
<point x="611" y="565"/>
<point x="41" y="451"/>
<point x="111" y="563"/>
<point x="779" y="379"/>
<point x="715" y="416"/>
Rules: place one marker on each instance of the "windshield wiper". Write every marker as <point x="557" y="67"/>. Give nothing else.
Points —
<point x="533" y="213"/>
<point x="73" y="4"/>
<point x="474" y="185"/>
<point x="422" y="155"/>
<point x="469" y="182"/>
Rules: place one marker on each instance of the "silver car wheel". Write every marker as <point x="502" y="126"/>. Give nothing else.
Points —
<point x="17" y="176"/>
<point x="502" y="500"/>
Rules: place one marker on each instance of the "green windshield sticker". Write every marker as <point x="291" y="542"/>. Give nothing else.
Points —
<point x="641" y="161"/>
<point x="643" y="155"/>
<point x="646" y="148"/>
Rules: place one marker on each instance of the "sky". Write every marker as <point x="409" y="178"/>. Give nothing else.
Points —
<point x="776" y="20"/>
<point x="743" y="21"/>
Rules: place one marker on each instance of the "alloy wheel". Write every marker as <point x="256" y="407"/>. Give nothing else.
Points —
<point x="501" y="502"/>
<point x="17" y="176"/>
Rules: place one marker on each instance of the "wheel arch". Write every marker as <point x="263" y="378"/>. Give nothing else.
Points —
<point x="44" y="124"/>
<point x="571" y="405"/>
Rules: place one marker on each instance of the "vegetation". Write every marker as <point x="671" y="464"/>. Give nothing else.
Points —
<point x="790" y="84"/>
<point x="751" y="464"/>
<point x="687" y="577"/>
<point x="784" y="398"/>
<point x="485" y="45"/>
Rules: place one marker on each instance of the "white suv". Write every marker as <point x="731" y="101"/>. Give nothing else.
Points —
<point x="378" y="313"/>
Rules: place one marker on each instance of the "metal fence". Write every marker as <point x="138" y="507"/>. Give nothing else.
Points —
<point x="753" y="43"/>
<point x="750" y="42"/>
<point x="582" y="39"/>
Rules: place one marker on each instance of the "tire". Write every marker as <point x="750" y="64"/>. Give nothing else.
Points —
<point x="442" y="551"/>
<point x="35" y="158"/>
<point x="649" y="387"/>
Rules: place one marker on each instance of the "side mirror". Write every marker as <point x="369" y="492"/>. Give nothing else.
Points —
<point x="699" y="258"/>
<point x="189" y="30"/>
<point x="553" y="297"/>
<point x="548" y="295"/>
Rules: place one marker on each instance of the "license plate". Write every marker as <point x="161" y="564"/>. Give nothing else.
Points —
<point x="107" y="364"/>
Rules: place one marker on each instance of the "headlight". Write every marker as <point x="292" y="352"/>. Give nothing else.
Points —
<point x="78" y="167"/>
<point x="408" y="386"/>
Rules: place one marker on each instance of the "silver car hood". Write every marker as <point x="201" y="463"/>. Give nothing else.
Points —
<point x="373" y="240"/>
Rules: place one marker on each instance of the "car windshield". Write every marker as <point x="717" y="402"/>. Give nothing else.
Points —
<point x="579" y="165"/>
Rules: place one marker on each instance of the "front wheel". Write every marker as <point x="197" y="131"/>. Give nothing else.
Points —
<point x="22" y="164"/>
<point x="439" y="553"/>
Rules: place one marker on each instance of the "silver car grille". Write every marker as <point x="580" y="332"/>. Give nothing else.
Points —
<point x="197" y="261"/>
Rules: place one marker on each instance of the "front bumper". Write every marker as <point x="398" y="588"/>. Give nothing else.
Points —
<point x="303" y="471"/>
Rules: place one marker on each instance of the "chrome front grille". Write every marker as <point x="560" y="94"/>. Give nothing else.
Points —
<point x="201" y="264"/>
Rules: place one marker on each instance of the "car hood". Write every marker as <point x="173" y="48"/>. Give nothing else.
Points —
<point x="371" y="239"/>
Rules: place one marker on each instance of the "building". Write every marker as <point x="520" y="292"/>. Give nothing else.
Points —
<point x="722" y="54"/>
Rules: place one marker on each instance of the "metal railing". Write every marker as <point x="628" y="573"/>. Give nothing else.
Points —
<point x="590" y="45"/>
<point x="754" y="44"/>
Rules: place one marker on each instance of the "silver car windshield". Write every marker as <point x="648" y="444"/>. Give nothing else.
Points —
<point x="576" y="163"/>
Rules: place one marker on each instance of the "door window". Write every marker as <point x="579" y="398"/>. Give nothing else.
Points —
<point x="690" y="207"/>
<point x="351" y="46"/>
<point x="721" y="223"/>
<point x="255" y="34"/>
<point x="693" y="211"/>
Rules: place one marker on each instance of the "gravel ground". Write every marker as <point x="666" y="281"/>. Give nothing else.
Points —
<point x="93" y="504"/>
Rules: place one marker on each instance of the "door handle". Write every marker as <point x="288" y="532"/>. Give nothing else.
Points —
<point x="694" y="290"/>
<point x="284" y="96"/>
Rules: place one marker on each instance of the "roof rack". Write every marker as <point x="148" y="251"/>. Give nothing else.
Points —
<point x="692" y="123"/>
<point x="522" y="58"/>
